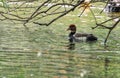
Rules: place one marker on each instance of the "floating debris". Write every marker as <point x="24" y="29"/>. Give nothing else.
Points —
<point x="82" y="74"/>
<point x="39" y="54"/>
<point x="3" y="77"/>
<point x="31" y="74"/>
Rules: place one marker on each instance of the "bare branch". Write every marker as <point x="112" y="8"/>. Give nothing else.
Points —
<point x="59" y="15"/>
<point x="101" y="24"/>
<point x="11" y="18"/>
<point x="37" y="10"/>
<point x="105" y="6"/>
<point x="110" y="30"/>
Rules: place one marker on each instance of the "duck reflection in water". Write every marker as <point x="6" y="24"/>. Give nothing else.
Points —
<point x="71" y="46"/>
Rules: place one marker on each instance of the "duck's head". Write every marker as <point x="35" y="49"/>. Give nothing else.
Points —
<point x="72" y="28"/>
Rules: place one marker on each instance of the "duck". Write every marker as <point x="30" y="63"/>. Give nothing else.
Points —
<point x="75" y="37"/>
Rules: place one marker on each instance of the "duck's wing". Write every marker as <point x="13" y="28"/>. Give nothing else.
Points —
<point x="81" y="35"/>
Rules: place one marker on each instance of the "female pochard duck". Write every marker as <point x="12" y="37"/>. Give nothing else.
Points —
<point x="73" y="36"/>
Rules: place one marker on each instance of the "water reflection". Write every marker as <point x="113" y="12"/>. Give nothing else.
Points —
<point x="59" y="64"/>
<point x="71" y="46"/>
<point x="106" y="66"/>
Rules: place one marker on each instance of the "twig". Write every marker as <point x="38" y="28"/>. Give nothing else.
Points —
<point x="110" y="30"/>
<point x="66" y="12"/>
<point x="101" y="24"/>
<point x="105" y="6"/>
<point x="36" y="11"/>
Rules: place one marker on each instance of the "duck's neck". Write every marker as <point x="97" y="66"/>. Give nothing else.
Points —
<point x="71" y="37"/>
<point x="72" y="33"/>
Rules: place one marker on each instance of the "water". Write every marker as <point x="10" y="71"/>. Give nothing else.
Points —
<point x="21" y="57"/>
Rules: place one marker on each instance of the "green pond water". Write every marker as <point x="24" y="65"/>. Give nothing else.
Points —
<point x="22" y="55"/>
